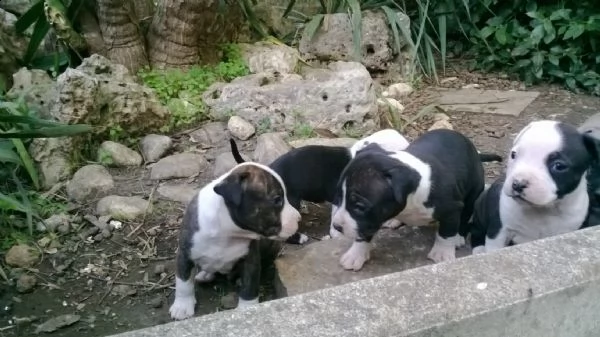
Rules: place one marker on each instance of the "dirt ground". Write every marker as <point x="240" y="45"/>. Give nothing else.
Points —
<point x="73" y="281"/>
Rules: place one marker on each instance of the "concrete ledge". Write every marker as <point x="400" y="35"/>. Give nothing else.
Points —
<point x="545" y="288"/>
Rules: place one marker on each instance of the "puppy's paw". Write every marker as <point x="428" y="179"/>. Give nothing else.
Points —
<point x="478" y="250"/>
<point x="356" y="256"/>
<point x="302" y="239"/>
<point x="245" y="304"/>
<point x="459" y="241"/>
<point x="204" y="277"/>
<point x="443" y="249"/>
<point x="392" y="224"/>
<point x="182" y="308"/>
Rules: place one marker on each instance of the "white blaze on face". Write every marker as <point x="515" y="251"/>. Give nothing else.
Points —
<point x="387" y="139"/>
<point x="344" y="219"/>
<point x="531" y="149"/>
<point x="289" y="220"/>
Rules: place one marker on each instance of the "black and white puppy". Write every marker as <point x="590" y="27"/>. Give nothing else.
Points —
<point x="437" y="178"/>
<point x="222" y="226"/>
<point x="311" y="172"/>
<point x="544" y="191"/>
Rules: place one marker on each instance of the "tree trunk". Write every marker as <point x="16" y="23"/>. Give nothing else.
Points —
<point x="184" y="33"/>
<point x="121" y="32"/>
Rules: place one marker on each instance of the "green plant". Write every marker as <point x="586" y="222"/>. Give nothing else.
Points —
<point x="181" y="90"/>
<point x="19" y="177"/>
<point x="264" y="126"/>
<point x="303" y="130"/>
<point x="554" y="41"/>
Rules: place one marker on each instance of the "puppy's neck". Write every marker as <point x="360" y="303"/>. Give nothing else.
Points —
<point x="222" y="224"/>
<point x="421" y="195"/>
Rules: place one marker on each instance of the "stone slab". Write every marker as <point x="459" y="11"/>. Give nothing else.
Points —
<point x="342" y="141"/>
<point x="545" y="288"/>
<point x="498" y="102"/>
<point x="316" y="266"/>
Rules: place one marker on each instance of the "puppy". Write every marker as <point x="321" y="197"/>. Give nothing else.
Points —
<point x="544" y="191"/>
<point x="438" y="177"/>
<point x="222" y="226"/>
<point x="311" y="172"/>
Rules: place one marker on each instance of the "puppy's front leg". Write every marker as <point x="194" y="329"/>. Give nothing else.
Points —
<point x="185" y="298"/>
<point x="498" y="242"/>
<point x="357" y="255"/>
<point x="446" y="239"/>
<point x="250" y="283"/>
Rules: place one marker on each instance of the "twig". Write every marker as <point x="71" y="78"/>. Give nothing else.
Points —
<point x="8" y="327"/>
<point x="157" y="284"/>
<point x="487" y="102"/>
<point x="145" y="211"/>
<point x="110" y="286"/>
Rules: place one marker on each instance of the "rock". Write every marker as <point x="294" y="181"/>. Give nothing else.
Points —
<point x="225" y="162"/>
<point x="13" y="47"/>
<point x="441" y="124"/>
<point x="64" y="229"/>
<point x="155" y="147"/>
<point x="21" y="256"/>
<point x="270" y="12"/>
<point x="316" y="266"/>
<point x="36" y="87"/>
<point x="440" y="116"/>
<point x="53" y="159"/>
<point x="159" y="269"/>
<point x="123" y="290"/>
<point x="269" y="146"/>
<point x="335" y="42"/>
<point x="90" y="182"/>
<point x="497" y="102"/>
<point x="182" y="165"/>
<point x="53" y="222"/>
<point x="182" y="193"/>
<point x="264" y="56"/>
<point x="398" y="90"/>
<point x="335" y="98"/>
<point x="388" y="102"/>
<point x="15" y="6"/>
<point x="122" y="208"/>
<point x="26" y="283"/>
<point x="448" y="80"/>
<point x="471" y="86"/>
<point x="156" y="302"/>
<point x="56" y="323"/>
<point x="115" y="154"/>
<point x="345" y="142"/>
<point x="240" y="128"/>
<point x="211" y="134"/>
<point x="229" y="301"/>
<point x="104" y="94"/>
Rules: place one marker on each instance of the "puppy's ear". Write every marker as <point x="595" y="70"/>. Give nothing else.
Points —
<point x="592" y="144"/>
<point x="403" y="181"/>
<point x="231" y="189"/>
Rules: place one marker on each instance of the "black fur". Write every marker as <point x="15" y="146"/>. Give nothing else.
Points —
<point x="486" y="215"/>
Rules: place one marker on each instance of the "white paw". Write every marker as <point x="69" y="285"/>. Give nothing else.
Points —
<point x="460" y="241"/>
<point x="244" y="304"/>
<point x="356" y="256"/>
<point x="443" y="249"/>
<point x="183" y="307"/>
<point x="303" y="239"/>
<point x="478" y="250"/>
<point x="204" y="277"/>
<point x="392" y="224"/>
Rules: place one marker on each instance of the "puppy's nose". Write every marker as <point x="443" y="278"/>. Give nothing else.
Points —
<point x="519" y="185"/>
<point x="338" y="228"/>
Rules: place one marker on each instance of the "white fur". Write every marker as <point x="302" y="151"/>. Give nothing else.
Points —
<point x="245" y="304"/>
<point x="544" y="215"/>
<point x="444" y="249"/>
<point x="185" y="299"/>
<point x="388" y="139"/>
<point x="532" y="146"/>
<point x="220" y="243"/>
<point x="356" y="256"/>
<point x="303" y="239"/>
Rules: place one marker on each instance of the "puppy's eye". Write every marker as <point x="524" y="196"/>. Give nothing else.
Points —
<point x="360" y="208"/>
<point x="278" y="201"/>
<point x="559" y="166"/>
<point x="513" y="154"/>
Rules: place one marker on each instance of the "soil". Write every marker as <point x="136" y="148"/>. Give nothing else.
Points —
<point x="142" y="264"/>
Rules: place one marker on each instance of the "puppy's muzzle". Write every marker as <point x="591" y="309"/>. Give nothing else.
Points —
<point x="519" y="185"/>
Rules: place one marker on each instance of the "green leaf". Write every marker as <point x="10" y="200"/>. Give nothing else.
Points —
<point x="442" y="31"/>
<point x="10" y="203"/>
<point x="537" y="59"/>
<point x="485" y="32"/>
<point x="560" y="14"/>
<point x="501" y="35"/>
<point x="50" y="61"/>
<point x="571" y="83"/>
<point x="554" y="59"/>
<point x="30" y="16"/>
<point x="574" y="31"/>
<point x="30" y="121"/>
<point x="550" y="32"/>
<point x="40" y="30"/>
<point x="27" y="162"/>
<point x="311" y="27"/>
<point x="356" y="19"/>
<point x="48" y="132"/>
<point x="523" y="63"/>
<point x="531" y="7"/>
<point x="534" y="15"/>
<point x="394" y="24"/>
<point x="520" y="50"/>
<point x="537" y="34"/>
<point x="289" y="8"/>
<point x="8" y="154"/>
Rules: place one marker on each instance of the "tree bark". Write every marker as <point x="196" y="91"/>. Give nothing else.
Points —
<point x="184" y="33"/>
<point x="121" y="33"/>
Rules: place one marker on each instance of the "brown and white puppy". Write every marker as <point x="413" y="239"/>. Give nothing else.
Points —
<point x="221" y="229"/>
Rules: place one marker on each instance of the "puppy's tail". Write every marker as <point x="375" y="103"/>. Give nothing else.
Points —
<point x="486" y="157"/>
<point x="236" y="153"/>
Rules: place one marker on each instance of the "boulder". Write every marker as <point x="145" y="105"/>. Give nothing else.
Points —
<point x="16" y="6"/>
<point x="211" y="135"/>
<point x="101" y="93"/>
<point x="90" y="182"/>
<point x="182" y="193"/>
<point x="225" y="162"/>
<point x="13" y="46"/>
<point x="115" y="154"/>
<point x="269" y="146"/>
<point x="335" y="98"/>
<point x="36" y="87"/>
<point x="240" y="128"/>
<point x="181" y="165"/>
<point x="53" y="159"/>
<point x="122" y="208"/>
<point x="264" y="56"/>
<point x="155" y="147"/>
<point x="335" y="42"/>
<point x="343" y="141"/>
<point x="22" y="256"/>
